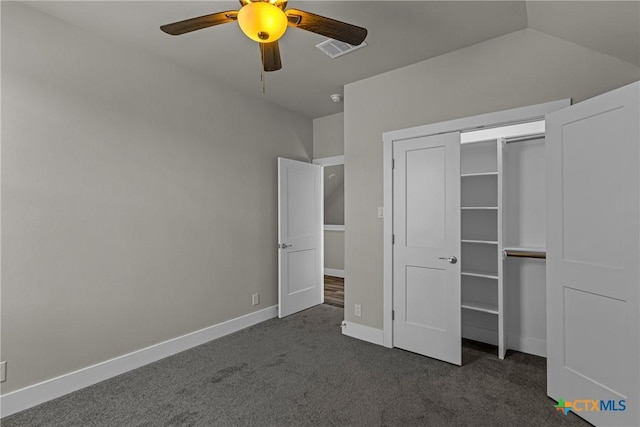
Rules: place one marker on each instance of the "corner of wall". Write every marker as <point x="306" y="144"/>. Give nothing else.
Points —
<point x="328" y="136"/>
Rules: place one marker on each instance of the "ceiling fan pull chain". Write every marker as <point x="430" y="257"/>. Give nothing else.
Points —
<point x="262" y="75"/>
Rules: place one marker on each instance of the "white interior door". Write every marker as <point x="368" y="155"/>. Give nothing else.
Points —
<point x="300" y="252"/>
<point x="426" y="252"/>
<point x="593" y="214"/>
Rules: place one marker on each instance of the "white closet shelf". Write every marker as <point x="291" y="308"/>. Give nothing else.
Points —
<point x="493" y="208"/>
<point x="482" y="242"/>
<point x="480" y="306"/>
<point x="468" y="175"/>
<point x="484" y="274"/>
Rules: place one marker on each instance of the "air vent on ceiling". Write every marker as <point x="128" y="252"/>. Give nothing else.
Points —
<point x="334" y="48"/>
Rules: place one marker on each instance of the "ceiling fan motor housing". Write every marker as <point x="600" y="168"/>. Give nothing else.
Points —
<point x="262" y="22"/>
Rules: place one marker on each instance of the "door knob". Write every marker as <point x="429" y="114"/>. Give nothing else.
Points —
<point x="285" y="246"/>
<point x="451" y="259"/>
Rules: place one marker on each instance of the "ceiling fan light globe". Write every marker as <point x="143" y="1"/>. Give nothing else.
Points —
<point x="262" y="22"/>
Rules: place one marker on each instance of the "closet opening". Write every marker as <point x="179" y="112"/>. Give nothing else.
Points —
<point x="502" y="200"/>
<point x="481" y="209"/>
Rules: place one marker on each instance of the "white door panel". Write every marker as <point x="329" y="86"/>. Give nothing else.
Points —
<point x="300" y="258"/>
<point x="425" y="220"/>
<point x="593" y="256"/>
<point x="425" y="289"/>
<point x="426" y="295"/>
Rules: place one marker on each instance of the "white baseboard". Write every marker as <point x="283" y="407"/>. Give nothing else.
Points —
<point x="364" y="333"/>
<point x="529" y="345"/>
<point x="475" y="333"/>
<point x="36" y="394"/>
<point x="333" y="272"/>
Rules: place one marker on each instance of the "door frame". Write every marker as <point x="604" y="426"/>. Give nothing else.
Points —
<point x="467" y="124"/>
<point x="329" y="161"/>
<point x="324" y="162"/>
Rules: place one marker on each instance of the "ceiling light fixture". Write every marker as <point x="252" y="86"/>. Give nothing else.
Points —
<point x="336" y="97"/>
<point x="265" y="21"/>
<point x="262" y="22"/>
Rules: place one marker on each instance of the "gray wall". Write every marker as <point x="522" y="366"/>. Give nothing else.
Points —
<point x="334" y="195"/>
<point x="334" y="207"/>
<point x="519" y="69"/>
<point x="137" y="204"/>
<point x="328" y="136"/>
<point x="334" y="250"/>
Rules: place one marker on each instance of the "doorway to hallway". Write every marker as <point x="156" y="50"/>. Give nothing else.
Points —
<point x="334" y="291"/>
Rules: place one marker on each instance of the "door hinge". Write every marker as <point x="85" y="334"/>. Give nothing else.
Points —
<point x="393" y="315"/>
<point x="393" y="239"/>
<point x="393" y="163"/>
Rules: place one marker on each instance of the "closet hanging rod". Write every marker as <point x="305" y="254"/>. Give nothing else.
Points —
<point x="525" y="254"/>
<point x="524" y="138"/>
<point x="507" y="140"/>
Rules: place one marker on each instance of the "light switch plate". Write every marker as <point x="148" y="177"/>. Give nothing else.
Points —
<point x="380" y="212"/>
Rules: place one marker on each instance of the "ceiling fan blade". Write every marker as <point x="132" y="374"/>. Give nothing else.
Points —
<point x="328" y="27"/>
<point x="193" y="24"/>
<point x="270" y="53"/>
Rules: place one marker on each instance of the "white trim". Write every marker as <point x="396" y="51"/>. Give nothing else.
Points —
<point x="528" y="345"/>
<point x="387" y="262"/>
<point x="362" y="332"/>
<point x="499" y="118"/>
<point x="329" y="161"/>
<point x="475" y="333"/>
<point x="36" y="394"/>
<point x="334" y="228"/>
<point x="535" y="346"/>
<point x="502" y="316"/>
<point x="521" y="129"/>
<point x="334" y="272"/>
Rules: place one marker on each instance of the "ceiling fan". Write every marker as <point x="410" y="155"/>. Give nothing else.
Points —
<point x="265" y="21"/>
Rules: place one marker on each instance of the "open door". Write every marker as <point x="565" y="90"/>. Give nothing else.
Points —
<point x="426" y="249"/>
<point x="593" y="280"/>
<point x="300" y="226"/>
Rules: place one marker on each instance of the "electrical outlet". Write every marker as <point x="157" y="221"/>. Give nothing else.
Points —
<point x="3" y="371"/>
<point x="255" y="299"/>
<point x="357" y="310"/>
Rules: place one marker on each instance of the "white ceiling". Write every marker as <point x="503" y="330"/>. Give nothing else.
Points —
<point x="400" y="33"/>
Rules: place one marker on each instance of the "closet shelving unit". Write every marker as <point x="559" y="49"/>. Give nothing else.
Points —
<point x="481" y="237"/>
<point x="488" y="239"/>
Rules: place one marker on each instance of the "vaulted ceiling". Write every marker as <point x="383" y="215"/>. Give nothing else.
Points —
<point x="400" y="33"/>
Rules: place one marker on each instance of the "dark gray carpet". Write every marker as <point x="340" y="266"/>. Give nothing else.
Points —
<point x="302" y="371"/>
